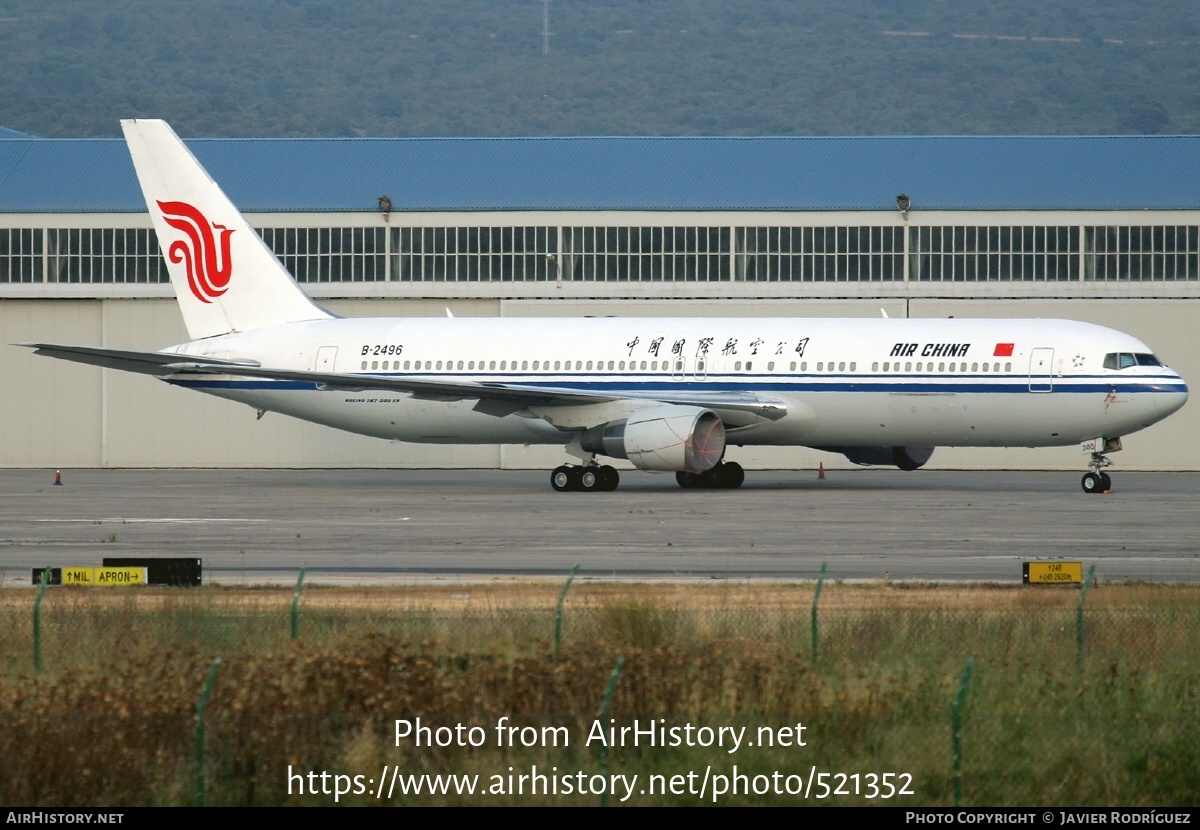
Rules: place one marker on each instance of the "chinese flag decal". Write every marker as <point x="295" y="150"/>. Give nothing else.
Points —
<point x="1003" y="350"/>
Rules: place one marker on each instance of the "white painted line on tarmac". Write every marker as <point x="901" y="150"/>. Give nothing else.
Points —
<point x="130" y="521"/>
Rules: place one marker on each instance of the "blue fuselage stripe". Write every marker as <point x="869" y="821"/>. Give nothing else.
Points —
<point x="635" y="386"/>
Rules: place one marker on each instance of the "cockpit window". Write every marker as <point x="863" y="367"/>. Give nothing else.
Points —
<point x="1124" y="360"/>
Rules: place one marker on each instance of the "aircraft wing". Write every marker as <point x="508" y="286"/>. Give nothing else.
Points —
<point x="505" y="397"/>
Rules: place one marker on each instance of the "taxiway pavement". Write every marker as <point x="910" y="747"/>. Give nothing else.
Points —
<point x="366" y="526"/>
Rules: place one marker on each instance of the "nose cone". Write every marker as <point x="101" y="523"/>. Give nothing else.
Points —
<point x="1172" y="398"/>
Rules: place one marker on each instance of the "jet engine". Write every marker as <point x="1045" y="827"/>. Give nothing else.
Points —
<point x="906" y="458"/>
<point x="664" y="438"/>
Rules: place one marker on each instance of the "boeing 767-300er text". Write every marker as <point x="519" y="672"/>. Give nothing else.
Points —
<point x="666" y="394"/>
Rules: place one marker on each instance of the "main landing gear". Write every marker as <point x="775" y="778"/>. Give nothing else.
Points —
<point x="596" y="478"/>
<point x="727" y="475"/>
<point x="589" y="479"/>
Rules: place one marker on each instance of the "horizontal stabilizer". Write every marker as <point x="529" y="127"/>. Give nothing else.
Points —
<point x="159" y="364"/>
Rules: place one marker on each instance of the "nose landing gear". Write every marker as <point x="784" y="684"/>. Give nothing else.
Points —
<point x="1098" y="481"/>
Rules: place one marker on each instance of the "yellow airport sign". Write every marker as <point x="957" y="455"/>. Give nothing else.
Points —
<point x="1053" y="573"/>
<point x="104" y="576"/>
<point x="78" y="576"/>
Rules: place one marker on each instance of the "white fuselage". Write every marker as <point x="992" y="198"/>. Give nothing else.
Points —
<point x="845" y="382"/>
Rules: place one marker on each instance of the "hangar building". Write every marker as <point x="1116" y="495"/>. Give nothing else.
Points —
<point x="1102" y="229"/>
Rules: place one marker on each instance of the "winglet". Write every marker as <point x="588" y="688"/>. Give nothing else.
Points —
<point x="225" y="277"/>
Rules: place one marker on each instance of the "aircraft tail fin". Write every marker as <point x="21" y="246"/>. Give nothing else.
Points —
<point x="225" y="277"/>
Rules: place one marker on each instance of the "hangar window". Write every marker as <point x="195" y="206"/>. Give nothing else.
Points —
<point x="1140" y="253"/>
<point x="96" y="255"/>
<point x="969" y="253"/>
<point x="646" y="254"/>
<point x="488" y="254"/>
<point x="820" y="254"/>
<point x="316" y="255"/>
<point x="21" y="255"/>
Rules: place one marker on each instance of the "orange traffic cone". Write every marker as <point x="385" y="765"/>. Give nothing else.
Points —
<point x="58" y="477"/>
<point x="821" y="471"/>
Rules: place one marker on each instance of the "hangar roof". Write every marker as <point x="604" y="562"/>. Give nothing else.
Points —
<point x="630" y="173"/>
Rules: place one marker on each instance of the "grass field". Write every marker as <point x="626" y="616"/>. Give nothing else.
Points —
<point x="111" y="717"/>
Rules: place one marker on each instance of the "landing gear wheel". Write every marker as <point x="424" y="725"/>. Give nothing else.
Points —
<point x="563" y="479"/>
<point x="1093" y="483"/>
<point x="589" y="479"/>
<point x="609" y="479"/>
<point x="1106" y="480"/>
<point x="727" y="475"/>
<point x="732" y="475"/>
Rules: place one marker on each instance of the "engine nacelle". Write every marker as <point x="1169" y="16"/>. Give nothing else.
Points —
<point x="906" y="458"/>
<point x="664" y="438"/>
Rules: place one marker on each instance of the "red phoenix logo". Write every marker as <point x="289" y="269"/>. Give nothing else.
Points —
<point x="207" y="270"/>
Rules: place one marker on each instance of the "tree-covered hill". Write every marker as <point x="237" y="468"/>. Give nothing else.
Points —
<point x="633" y="67"/>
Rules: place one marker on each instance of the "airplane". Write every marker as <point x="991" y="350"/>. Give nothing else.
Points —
<point x="667" y="395"/>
